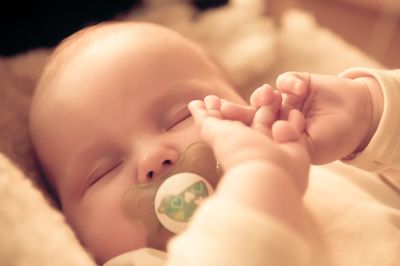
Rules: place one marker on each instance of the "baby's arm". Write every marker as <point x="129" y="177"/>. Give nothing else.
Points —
<point x="382" y="152"/>
<point x="255" y="215"/>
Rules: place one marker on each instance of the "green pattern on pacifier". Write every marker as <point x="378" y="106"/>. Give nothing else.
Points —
<point x="182" y="206"/>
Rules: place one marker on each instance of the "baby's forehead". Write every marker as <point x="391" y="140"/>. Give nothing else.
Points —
<point x="113" y="37"/>
<point x="98" y="42"/>
<point x="106" y="48"/>
<point x="119" y="37"/>
<point x="92" y="47"/>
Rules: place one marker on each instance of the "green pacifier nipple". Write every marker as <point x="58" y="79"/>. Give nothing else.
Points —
<point x="172" y="200"/>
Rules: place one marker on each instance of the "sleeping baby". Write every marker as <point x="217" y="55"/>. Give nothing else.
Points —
<point x="122" y="107"/>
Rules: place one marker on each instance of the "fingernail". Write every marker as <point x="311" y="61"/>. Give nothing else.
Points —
<point x="298" y="87"/>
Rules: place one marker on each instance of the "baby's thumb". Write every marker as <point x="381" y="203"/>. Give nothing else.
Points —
<point x="295" y="83"/>
<point x="295" y="88"/>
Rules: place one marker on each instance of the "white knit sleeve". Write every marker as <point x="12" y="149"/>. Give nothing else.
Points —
<point x="383" y="151"/>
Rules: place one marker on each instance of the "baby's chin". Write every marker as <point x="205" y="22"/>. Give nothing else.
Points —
<point x="160" y="241"/>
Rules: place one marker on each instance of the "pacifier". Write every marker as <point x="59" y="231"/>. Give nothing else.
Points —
<point x="177" y="199"/>
<point x="171" y="201"/>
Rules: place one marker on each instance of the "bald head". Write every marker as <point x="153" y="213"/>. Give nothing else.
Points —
<point x="107" y="39"/>
<point x="103" y="50"/>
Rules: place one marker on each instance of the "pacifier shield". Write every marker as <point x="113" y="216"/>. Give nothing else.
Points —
<point x="177" y="199"/>
<point x="137" y="205"/>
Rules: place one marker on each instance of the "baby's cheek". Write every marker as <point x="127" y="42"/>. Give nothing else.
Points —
<point x="112" y="235"/>
<point x="102" y="228"/>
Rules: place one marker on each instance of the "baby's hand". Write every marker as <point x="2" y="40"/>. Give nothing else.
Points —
<point x="338" y="111"/>
<point x="264" y="97"/>
<point x="265" y="164"/>
<point x="243" y="122"/>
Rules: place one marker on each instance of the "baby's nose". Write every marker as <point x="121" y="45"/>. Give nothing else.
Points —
<point x="156" y="163"/>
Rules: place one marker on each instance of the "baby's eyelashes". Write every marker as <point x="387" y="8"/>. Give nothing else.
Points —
<point x="181" y="122"/>
<point x="178" y="120"/>
<point x="100" y="171"/>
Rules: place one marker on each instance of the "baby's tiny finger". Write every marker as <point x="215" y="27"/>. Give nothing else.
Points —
<point x="263" y="120"/>
<point x="283" y="131"/>
<point x="233" y="111"/>
<point x="212" y="102"/>
<point x="289" y="102"/>
<point x="262" y="96"/>
<point x="277" y="102"/>
<point x="198" y="111"/>
<point x="213" y="105"/>
<point x="297" y="120"/>
<point x="293" y="83"/>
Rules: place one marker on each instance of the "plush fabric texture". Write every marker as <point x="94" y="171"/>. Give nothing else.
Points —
<point x="251" y="46"/>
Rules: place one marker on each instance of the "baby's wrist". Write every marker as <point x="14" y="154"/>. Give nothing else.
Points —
<point x="265" y="187"/>
<point x="376" y="103"/>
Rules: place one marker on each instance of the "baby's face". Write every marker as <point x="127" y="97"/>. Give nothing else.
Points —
<point x="117" y="116"/>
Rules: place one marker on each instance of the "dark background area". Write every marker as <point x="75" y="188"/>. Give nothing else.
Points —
<point x="30" y="24"/>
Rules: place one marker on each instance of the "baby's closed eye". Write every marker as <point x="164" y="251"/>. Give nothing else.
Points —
<point x="101" y="170"/>
<point x="179" y="119"/>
